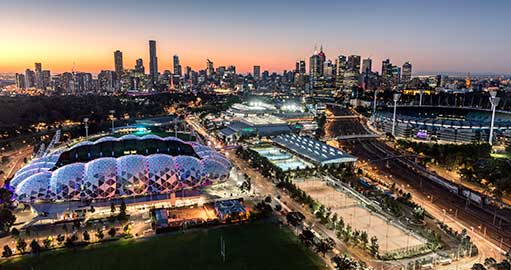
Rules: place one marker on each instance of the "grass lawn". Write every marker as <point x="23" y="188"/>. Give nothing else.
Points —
<point x="248" y="246"/>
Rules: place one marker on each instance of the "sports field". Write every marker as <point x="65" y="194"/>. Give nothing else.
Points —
<point x="390" y="237"/>
<point x="247" y="246"/>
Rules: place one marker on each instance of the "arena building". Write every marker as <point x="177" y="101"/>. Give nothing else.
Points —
<point x="444" y="124"/>
<point x="111" y="168"/>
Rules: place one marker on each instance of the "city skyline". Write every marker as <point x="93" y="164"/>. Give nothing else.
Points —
<point x="469" y="37"/>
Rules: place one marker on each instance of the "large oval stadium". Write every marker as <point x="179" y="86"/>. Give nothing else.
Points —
<point x="447" y="124"/>
<point x="119" y="167"/>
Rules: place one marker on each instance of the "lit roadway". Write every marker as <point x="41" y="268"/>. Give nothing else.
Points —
<point x="445" y="214"/>
<point x="15" y="162"/>
<point x="263" y="186"/>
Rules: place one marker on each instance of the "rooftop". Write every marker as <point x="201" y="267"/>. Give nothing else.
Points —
<point x="314" y="150"/>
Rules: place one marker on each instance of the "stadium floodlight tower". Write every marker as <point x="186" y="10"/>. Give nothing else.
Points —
<point x="421" y="92"/>
<point x="395" y="97"/>
<point x="374" y="104"/>
<point x="86" y="122"/>
<point x="112" y="117"/>
<point x="494" y="100"/>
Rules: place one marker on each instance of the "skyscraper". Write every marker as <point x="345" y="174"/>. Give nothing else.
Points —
<point x="38" y="76"/>
<point x="386" y="74"/>
<point x="301" y="68"/>
<point x="340" y="64"/>
<point x="118" y="63"/>
<point x="406" y="72"/>
<point x="257" y="72"/>
<point x="367" y="66"/>
<point x="29" y="78"/>
<point x="139" y="66"/>
<point x="176" y="66"/>
<point x="210" y="69"/>
<point x="153" y="62"/>
<point x="20" y="81"/>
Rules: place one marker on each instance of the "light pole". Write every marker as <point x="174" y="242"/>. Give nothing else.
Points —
<point x="395" y="97"/>
<point x="374" y="104"/>
<point x="86" y="122"/>
<point x="494" y="100"/>
<point x="421" y="92"/>
<point x="112" y="117"/>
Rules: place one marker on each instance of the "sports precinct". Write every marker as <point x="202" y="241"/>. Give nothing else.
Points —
<point x="113" y="168"/>
<point x="447" y="124"/>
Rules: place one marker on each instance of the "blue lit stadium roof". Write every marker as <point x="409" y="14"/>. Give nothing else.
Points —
<point x="313" y="150"/>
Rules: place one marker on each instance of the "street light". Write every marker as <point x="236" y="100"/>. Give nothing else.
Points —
<point x="395" y="97"/>
<point x="112" y="117"/>
<point x="494" y="100"/>
<point x="86" y="122"/>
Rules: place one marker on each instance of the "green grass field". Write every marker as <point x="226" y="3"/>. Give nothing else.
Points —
<point x="248" y="246"/>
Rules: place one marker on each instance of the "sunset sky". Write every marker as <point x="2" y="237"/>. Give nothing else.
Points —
<point x="436" y="36"/>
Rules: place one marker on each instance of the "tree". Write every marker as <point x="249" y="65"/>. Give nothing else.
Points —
<point x="15" y="232"/>
<point x="60" y="239"/>
<point x="112" y="232"/>
<point x="7" y="251"/>
<point x="7" y="219"/>
<point x="86" y="236"/>
<point x="100" y="235"/>
<point x="5" y="196"/>
<point x="35" y="248"/>
<point x="48" y="242"/>
<point x="374" y="247"/>
<point x="92" y="209"/>
<point x="489" y="262"/>
<point x="364" y="238"/>
<point x="21" y="245"/>
<point x="112" y="208"/>
<point x="478" y="266"/>
<point x="122" y="211"/>
<point x="70" y="241"/>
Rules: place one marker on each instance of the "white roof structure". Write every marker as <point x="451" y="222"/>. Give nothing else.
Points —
<point x="313" y="150"/>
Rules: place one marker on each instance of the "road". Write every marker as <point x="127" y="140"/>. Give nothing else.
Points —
<point x="438" y="202"/>
<point x="15" y="162"/>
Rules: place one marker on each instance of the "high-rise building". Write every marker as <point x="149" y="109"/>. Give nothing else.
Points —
<point x="367" y="66"/>
<point x="176" y="66"/>
<point x="45" y="79"/>
<point x="407" y="72"/>
<point x="301" y="67"/>
<point x="139" y="66"/>
<point x="153" y="62"/>
<point x="106" y="81"/>
<point x="38" y="76"/>
<point x="257" y="72"/>
<point x="29" y="78"/>
<point x="210" y="69"/>
<point x="119" y="69"/>
<point x="354" y="63"/>
<point x="341" y="66"/>
<point x="20" y="81"/>
<point x="386" y="74"/>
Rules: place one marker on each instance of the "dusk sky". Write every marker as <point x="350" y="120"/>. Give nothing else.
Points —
<point x="435" y="36"/>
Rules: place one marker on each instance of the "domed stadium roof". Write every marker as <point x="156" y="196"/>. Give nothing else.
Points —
<point x="127" y="175"/>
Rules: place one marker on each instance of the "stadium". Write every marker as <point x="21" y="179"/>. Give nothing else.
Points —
<point x="443" y="124"/>
<point x="111" y="168"/>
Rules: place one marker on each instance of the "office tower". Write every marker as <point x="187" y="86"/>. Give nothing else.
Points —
<point x="38" y="76"/>
<point x="367" y="66"/>
<point x="29" y="78"/>
<point x="257" y="72"/>
<point x="340" y="65"/>
<point x="396" y="75"/>
<point x="45" y="78"/>
<point x="153" y="62"/>
<point x="210" y="69"/>
<point x="328" y="69"/>
<point x="354" y="63"/>
<point x="322" y="58"/>
<point x="176" y="66"/>
<point x="118" y="63"/>
<point x="20" y="81"/>
<point x="302" y="69"/>
<point x="316" y="67"/>
<point x="106" y="81"/>
<point x="386" y="74"/>
<point x="139" y="66"/>
<point x="407" y="72"/>
<point x="352" y="74"/>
